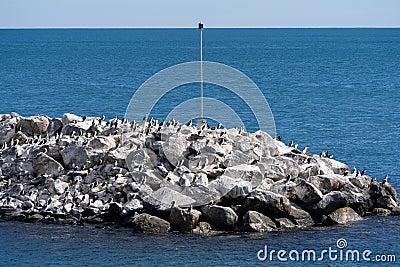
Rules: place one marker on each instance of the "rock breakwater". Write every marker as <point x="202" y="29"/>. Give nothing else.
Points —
<point x="159" y="177"/>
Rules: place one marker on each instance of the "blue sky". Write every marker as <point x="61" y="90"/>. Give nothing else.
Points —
<point x="186" y="13"/>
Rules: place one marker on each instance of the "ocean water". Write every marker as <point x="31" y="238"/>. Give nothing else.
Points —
<point x="329" y="89"/>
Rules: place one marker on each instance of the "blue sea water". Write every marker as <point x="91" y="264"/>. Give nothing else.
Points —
<point x="329" y="89"/>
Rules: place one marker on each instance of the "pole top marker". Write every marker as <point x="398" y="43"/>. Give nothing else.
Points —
<point x="201" y="26"/>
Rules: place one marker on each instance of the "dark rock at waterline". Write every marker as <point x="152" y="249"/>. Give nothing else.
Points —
<point x="221" y="218"/>
<point x="145" y="223"/>
<point x="254" y="221"/>
<point x="268" y="203"/>
<point x="342" y="216"/>
<point x="184" y="220"/>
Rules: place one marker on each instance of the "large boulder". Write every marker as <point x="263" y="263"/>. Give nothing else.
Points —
<point x="34" y="125"/>
<point x="165" y="198"/>
<point x="75" y="154"/>
<point x="47" y="165"/>
<point x="184" y="220"/>
<point x="342" y="216"/>
<point x="268" y="144"/>
<point x="221" y="218"/>
<point x="55" y="126"/>
<point x="236" y="158"/>
<point x="268" y="203"/>
<point x="254" y="221"/>
<point x="300" y="217"/>
<point x="306" y="193"/>
<point x="174" y="148"/>
<point x="145" y="223"/>
<point x="250" y="173"/>
<point x="330" y="202"/>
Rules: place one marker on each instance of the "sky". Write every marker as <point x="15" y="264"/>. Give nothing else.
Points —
<point x="186" y="13"/>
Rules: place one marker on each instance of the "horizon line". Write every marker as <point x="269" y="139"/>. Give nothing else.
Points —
<point x="241" y="27"/>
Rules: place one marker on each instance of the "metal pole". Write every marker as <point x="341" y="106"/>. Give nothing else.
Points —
<point x="201" y="69"/>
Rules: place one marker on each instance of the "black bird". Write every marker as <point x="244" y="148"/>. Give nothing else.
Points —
<point x="346" y="173"/>
<point x="385" y="179"/>
<point x="287" y="178"/>
<point x="279" y="138"/>
<point x="290" y="143"/>
<point x="84" y="118"/>
<point x="363" y="172"/>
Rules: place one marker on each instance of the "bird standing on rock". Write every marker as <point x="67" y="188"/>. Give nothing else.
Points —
<point x="385" y="179"/>
<point x="363" y="172"/>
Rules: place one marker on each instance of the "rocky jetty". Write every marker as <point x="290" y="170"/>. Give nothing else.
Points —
<point x="166" y="176"/>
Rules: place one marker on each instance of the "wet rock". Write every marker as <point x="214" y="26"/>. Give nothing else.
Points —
<point x="254" y="221"/>
<point x="221" y="218"/>
<point x="395" y="211"/>
<point x="381" y="212"/>
<point x="115" y="209"/>
<point x="268" y="203"/>
<point x="184" y="220"/>
<point x="203" y="228"/>
<point x="145" y="223"/>
<point x="342" y="216"/>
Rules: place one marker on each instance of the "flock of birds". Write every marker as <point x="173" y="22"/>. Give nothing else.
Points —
<point x="325" y="154"/>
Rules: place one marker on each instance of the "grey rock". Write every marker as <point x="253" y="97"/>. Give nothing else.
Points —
<point x="268" y="203"/>
<point x="237" y="158"/>
<point x="331" y="202"/>
<point x="343" y="216"/>
<point x="300" y="217"/>
<point x="285" y="223"/>
<point x="250" y="173"/>
<point x="47" y="165"/>
<point x="306" y="193"/>
<point x="254" y="221"/>
<point x="75" y="154"/>
<point x="165" y="197"/>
